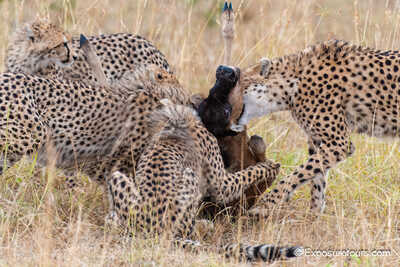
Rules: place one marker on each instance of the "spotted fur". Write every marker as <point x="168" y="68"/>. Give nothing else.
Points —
<point x="331" y="89"/>
<point x="92" y="128"/>
<point x="36" y="47"/>
<point x="181" y="166"/>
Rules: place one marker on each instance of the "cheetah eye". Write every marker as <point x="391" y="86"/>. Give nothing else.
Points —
<point x="159" y="76"/>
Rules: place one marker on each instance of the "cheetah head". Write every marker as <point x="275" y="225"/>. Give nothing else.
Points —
<point x="161" y="76"/>
<point x="266" y="89"/>
<point x="51" y="42"/>
<point x="37" y="45"/>
<point x="167" y="85"/>
<point x="157" y="81"/>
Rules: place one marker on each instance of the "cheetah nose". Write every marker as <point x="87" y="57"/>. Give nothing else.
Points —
<point x="225" y="72"/>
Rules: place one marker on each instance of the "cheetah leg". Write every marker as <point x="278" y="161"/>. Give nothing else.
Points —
<point x="4" y="163"/>
<point x="313" y="144"/>
<point x="318" y="189"/>
<point x="230" y="186"/>
<point x="11" y="155"/>
<point x="17" y="141"/>
<point x="314" y="171"/>
<point x="318" y="184"/>
<point x="122" y="196"/>
<point x="119" y="183"/>
<point x="72" y="178"/>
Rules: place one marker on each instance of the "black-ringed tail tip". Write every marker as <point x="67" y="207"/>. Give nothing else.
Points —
<point x="227" y="7"/>
<point x="270" y="253"/>
<point x="82" y="40"/>
<point x="296" y="251"/>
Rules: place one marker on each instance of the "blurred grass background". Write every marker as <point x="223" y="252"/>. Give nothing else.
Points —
<point x="44" y="224"/>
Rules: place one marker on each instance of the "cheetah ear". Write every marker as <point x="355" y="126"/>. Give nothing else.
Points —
<point x="93" y="60"/>
<point x="83" y="41"/>
<point x="265" y="64"/>
<point x="29" y="32"/>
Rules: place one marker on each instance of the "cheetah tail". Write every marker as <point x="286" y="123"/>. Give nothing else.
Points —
<point x="174" y="122"/>
<point x="265" y="253"/>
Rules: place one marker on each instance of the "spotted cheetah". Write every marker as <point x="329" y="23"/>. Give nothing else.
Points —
<point x="161" y="77"/>
<point x="97" y="131"/>
<point x="331" y="89"/>
<point x="39" y="48"/>
<point x="255" y="150"/>
<point x="181" y="166"/>
<point x="91" y="127"/>
<point x="36" y="46"/>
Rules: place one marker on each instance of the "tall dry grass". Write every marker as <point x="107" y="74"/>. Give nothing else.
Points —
<point x="43" y="223"/>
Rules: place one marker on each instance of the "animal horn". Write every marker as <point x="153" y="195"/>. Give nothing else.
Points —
<point x="228" y="31"/>
<point x="225" y="7"/>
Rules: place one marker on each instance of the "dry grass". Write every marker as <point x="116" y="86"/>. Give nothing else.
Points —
<point x="42" y="223"/>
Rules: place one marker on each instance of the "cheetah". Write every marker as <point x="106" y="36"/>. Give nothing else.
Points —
<point x="36" y="46"/>
<point x="182" y="165"/>
<point x="92" y="127"/>
<point x="120" y="57"/>
<point x="40" y="48"/>
<point x="99" y="131"/>
<point x="163" y="82"/>
<point x="123" y="87"/>
<point x="255" y="151"/>
<point x="331" y="89"/>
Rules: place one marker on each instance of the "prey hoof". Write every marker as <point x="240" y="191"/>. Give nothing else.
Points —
<point x="238" y="128"/>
